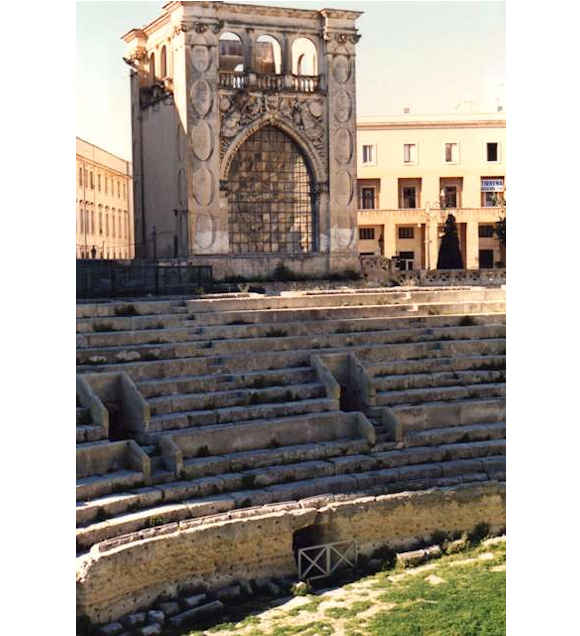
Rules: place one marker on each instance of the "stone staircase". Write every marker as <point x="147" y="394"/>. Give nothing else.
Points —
<point x="239" y="416"/>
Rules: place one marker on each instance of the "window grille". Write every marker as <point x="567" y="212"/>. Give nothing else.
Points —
<point x="270" y="196"/>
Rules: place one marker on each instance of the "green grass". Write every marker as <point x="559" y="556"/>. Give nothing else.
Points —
<point x="471" y="601"/>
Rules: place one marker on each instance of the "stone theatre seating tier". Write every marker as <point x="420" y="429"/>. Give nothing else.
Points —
<point x="239" y="413"/>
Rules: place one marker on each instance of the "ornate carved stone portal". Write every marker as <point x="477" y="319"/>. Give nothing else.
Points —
<point x="264" y="161"/>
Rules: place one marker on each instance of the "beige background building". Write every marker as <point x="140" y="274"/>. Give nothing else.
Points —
<point x="104" y="204"/>
<point x="413" y="170"/>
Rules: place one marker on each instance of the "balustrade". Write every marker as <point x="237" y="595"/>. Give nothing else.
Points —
<point x="270" y="82"/>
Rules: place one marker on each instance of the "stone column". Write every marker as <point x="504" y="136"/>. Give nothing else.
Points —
<point x="340" y="57"/>
<point x="208" y="223"/>
<point x="472" y="245"/>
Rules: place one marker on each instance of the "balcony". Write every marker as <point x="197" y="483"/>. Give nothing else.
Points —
<point x="418" y="215"/>
<point x="269" y="82"/>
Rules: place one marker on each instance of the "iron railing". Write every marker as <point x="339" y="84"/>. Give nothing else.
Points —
<point x="318" y="561"/>
<point x="114" y="279"/>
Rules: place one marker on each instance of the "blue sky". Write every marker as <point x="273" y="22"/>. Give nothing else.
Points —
<point x="429" y="56"/>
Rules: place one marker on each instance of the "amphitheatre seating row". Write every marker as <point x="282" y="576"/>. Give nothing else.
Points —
<point x="239" y="417"/>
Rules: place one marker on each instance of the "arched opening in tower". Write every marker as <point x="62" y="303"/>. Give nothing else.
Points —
<point x="271" y="200"/>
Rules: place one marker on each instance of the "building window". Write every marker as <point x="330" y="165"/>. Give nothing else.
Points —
<point x="113" y="222"/>
<point x="451" y="153"/>
<point x="368" y="198"/>
<point x="486" y="231"/>
<point x="491" y="191"/>
<point x="92" y="221"/>
<point x="486" y="259"/>
<point x="410" y="153"/>
<point x="80" y="176"/>
<point x="368" y="154"/>
<point x="163" y="69"/>
<point x="492" y="151"/>
<point x="366" y="233"/>
<point x="406" y="261"/>
<point x="92" y="181"/>
<point x="449" y="196"/>
<point x="118" y="189"/>
<point x="99" y="182"/>
<point x="106" y="225"/>
<point x="409" y="197"/>
<point x="406" y="232"/>
<point x="100" y="222"/>
<point x="106" y="185"/>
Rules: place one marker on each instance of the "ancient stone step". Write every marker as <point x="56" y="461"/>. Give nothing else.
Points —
<point x="83" y="416"/>
<point x="280" y="341"/>
<point x="298" y="358"/>
<point x="122" y="354"/>
<point x="436" y="415"/>
<point x="100" y="485"/>
<point x="437" y="379"/>
<point x="411" y="477"/>
<point x="218" y="400"/>
<point x="452" y="434"/>
<point x="225" y="381"/>
<point x="260" y="458"/>
<point x="385" y="297"/>
<point x="386" y="369"/>
<point x="90" y="433"/>
<point x="192" y="330"/>
<point x="132" y="323"/>
<point x="366" y="311"/>
<point x="270" y="432"/>
<point x="236" y="414"/>
<point x="350" y="325"/>
<point x="440" y="394"/>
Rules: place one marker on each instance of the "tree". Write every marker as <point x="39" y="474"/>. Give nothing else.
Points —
<point x="449" y="253"/>
<point x="500" y="228"/>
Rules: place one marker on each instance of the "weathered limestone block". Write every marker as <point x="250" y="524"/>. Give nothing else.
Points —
<point x="218" y="552"/>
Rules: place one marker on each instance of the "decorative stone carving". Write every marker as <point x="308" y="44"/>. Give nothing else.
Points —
<point x="341" y="69"/>
<point x="342" y="106"/>
<point x="343" y="146"/>
<point x="201" y="97"/>
<point x="199" y="27"/>
<point x="138" y="54"/>
<point x="200" y="57"/>
<point x="243" y="108"/>
<point x="201" y="140"/>
<point x="182" y="27"/>
<point x="316" y="107"/>
<point x="343" y="191"/>
<point x="204" y="234"/>
<point x="218" y="26"/>
<point x="203" y="186"/>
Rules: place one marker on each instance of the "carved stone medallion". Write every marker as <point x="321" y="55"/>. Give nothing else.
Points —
<point x="341" y="69"/>
<point x="343" y="188"/>
<point x="201" y="97"/>
<point x="200" y="57"/>
<point x="201" y="140"/>
<point x="204" y="230"/>
<point x="342" y="106"/>
<point x="203" y="186"/>
<point x="343" y="146"/>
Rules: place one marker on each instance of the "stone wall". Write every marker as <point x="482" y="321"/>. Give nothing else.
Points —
<point x="129" y="573"/>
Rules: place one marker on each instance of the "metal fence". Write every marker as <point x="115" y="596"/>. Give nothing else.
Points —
<point x="114" y="279"/>
<point x="318" y="561"/>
